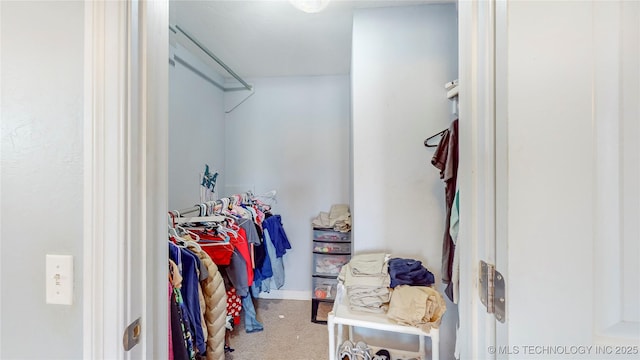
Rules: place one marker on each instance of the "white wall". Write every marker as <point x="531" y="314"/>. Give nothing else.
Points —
<point x="196" y="129"/>
<point x="292" y="136"/>
<point x="401" y="59"/>
<point x="41" y="180"/>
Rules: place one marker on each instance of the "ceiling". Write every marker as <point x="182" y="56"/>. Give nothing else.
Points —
<point x="271" y="37"/>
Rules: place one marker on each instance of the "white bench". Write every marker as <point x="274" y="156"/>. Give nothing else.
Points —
<point x="341" y="316"/>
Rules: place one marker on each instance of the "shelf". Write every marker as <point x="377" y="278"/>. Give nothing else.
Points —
<point x="331" y="253"/>
<point x="330" y="235"/>
<point x="341" y="316"/>
<point x="397" y="354"/>
<point x="329" y="264"/>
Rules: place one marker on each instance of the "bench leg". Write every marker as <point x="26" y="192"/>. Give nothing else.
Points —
<point x="435" y="345"/>
<point x="332" y="337"/>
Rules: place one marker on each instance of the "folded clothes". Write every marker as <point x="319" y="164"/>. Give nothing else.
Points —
<point x="375" y="310"/>
<point x="366" y="296"/>
<point x="347" y="278"/>
<point x="338" y="219"/>
<point x="418" y="306"/>
<point x="370" y="301"/>
<point x="366" y="280"/>
<point x="369" y="264"/>
<point x="358" y="290"/>
<point x="409" y="272"/>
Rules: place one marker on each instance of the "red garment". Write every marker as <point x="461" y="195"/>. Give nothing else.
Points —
<point x="234" y="305"/>
<point x="220" y="253"/>
<point x="240" y="243"/>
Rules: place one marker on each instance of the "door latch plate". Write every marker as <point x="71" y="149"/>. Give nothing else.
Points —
<point x="131" y="335"/>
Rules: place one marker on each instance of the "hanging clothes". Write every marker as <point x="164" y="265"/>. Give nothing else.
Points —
<point x="189" y="293"/>
<point x="445" y="159"/>
<point x="279" y="238"/>
<point x="215" y="300"/>
<point x="233" y="241"/>
<point x="181" y="338"/>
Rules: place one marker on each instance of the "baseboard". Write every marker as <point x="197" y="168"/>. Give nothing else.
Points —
<point x="287" y="295"/>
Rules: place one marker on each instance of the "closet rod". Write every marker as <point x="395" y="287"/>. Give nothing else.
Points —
<point x="196" y="208"/>
<point x="215" y="58"/>
<point x="187" y="211"/>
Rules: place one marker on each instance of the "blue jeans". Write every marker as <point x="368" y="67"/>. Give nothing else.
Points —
<point x="277" y="265"/>
<point x="251" y="324"/>
<point x="409" y="272"/>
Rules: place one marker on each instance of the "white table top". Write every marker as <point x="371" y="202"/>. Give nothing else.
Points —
<point x="343" y="315"/>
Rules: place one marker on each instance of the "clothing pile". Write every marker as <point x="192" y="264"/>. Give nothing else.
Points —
<point x="338" y="219"/>
<point x="366" y="279"/>
<point x="413" y="301"/>
<point x="419" y="306"/>
<point x="401" y="288"/>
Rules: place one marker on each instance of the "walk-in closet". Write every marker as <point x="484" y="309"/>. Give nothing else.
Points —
<point x="289" y="113"/>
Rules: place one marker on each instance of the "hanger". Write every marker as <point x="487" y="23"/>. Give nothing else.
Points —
<point x="199" y="219"/>
<point x="214" y="243"/>
<point x="227" y="231"/>
<point x="173" y="233"/>
<point x="193" y="243"/>
<point x="195" y="236"/>
<point x="269" y="196"/>
<point x="426" y="141"/>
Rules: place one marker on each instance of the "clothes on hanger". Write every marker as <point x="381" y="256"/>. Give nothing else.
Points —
<point x="230" y="237"/>
<point x="445" y="159"/>
<point x="189" y="293"/>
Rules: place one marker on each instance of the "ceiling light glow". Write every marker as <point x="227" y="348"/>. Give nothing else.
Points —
<point x="310" y="6"/>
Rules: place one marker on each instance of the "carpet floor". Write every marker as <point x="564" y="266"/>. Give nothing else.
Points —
<point x="288" y="334"/>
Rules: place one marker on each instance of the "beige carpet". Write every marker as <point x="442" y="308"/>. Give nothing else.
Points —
<point x="288" y="334"/>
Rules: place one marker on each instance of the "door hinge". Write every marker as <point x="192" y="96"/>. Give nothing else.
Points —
<point x="492" y="290"/>
<point x="131" y="335"/>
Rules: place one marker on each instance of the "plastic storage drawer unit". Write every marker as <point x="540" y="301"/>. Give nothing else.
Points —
<point x="330" y="235"/>
<point x="324" y="288"/>
<point x="331" y="247"/>
<point x="329" y="264"/>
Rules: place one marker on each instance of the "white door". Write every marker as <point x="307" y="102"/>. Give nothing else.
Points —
<point x="566" y="186"/>
<point x="573" y="178"/>
<point x="125" y="179"/>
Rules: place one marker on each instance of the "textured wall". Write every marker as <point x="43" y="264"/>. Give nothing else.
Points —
<point x="41" y="181"/>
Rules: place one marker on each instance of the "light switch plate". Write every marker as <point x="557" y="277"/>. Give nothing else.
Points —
<point x="59" y="281"/>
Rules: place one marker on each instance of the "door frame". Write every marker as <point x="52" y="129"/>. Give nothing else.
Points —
<point x="125" y="191"/>
<point x="106" y="175"/>
<point x="482" y="174"/>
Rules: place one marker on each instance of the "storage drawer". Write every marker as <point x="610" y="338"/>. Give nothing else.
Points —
<point x="320" y="310"/>
<point x="324" y="288"/>
<point x="330" y="235"/>
<point x="329" y="264"/>
<point x="332" y="247"/>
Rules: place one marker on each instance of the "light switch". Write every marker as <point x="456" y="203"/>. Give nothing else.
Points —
<point x="59" y="282"/>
